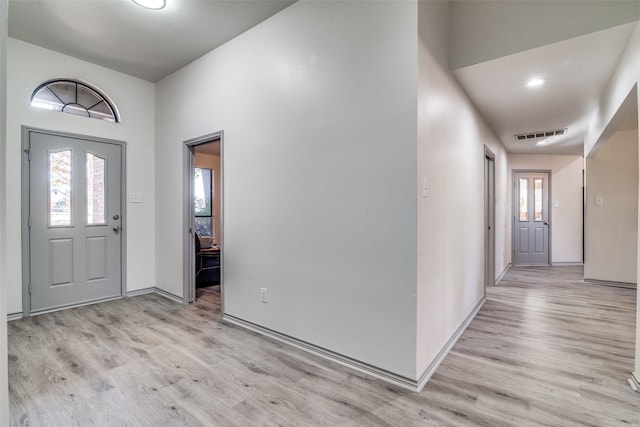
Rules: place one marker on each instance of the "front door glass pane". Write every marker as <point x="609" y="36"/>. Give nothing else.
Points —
<point x="60" y="188"/>
<point x="523" y="206"/>
<point x="537" y="199"/>
<point x="95" y="190"/>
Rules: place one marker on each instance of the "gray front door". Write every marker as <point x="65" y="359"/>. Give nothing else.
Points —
<point x="531" y="218"/>
<point x="75" y="218"/>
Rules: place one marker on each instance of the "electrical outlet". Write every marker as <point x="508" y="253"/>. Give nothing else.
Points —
<point x="263" y="295"/>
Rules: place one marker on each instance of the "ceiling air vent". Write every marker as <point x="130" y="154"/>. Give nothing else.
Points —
<point x="540" y="134"/>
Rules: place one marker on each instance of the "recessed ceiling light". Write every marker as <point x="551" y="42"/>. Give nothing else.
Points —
<point x="543" y="142"/>
<point x="537" y="81"/>
<point x="151" y="4"/>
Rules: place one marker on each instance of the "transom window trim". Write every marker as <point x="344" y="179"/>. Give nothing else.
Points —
<point x="74" y="97"/>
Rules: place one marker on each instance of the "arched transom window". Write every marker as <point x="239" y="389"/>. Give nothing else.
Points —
<point x="74" y="97"/>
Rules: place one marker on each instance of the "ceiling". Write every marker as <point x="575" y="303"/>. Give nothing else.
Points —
<point x="576" y="73"/>
<point x="118" y="34"/>
<point x="495" y="45"/>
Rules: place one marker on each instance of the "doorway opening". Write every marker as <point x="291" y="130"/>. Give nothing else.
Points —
<point x="531" y="217"/>
<point x="490" y="218"/>
<point x="203" y="201"/>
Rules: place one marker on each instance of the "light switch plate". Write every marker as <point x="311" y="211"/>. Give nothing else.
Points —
<point x="135" y="197"/>
<point x="425" y="188"/>
<point x="599" y="200"/>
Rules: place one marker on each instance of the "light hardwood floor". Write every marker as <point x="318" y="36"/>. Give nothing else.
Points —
<point x="544" y="350"/>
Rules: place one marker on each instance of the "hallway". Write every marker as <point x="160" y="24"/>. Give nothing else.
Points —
<point x="548" y="349"/>
<point x="544" y="350"/>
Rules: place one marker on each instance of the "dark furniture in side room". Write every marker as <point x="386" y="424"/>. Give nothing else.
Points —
<point x="207" y="266"/>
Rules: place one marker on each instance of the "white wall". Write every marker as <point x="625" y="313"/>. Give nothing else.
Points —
<point x="451" y="139"/>
<point x="566" y="191"/>
<point x="619" y="97"/>
<point x="318" y="108"/>
<point x="4" y="383"/>
<point x="210" y="161"/>
<point x="611" y="229"/>
<point x="28" y="66"/>
<point x="606" y="120"/>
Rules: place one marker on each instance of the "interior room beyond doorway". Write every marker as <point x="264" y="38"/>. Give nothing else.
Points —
<point x="207" y="217"/>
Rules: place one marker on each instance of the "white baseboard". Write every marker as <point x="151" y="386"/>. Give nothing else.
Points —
<point x="566" y="264"/>
<point x="155" y="290"/>
<point x="14" y="316"/>
<point x="431" y="369"/>
<point x="610" y="283"/>
<point x="389" y="377"/>
<point x="169" y="295"/>
<point x="634" y="382"/>
<point x="137" y="292"/>
<point x="501" y="275"/>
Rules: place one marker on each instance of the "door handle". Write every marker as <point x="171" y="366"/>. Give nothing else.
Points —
<point x="546" y="223"/>
<point x="116" y="229"/>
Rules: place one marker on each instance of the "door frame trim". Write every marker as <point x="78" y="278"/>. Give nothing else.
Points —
<point x="188" y="243"/>
<point x="26" y="206"/>
<point x="489" y="155"/>
<point x="513" y="212"/>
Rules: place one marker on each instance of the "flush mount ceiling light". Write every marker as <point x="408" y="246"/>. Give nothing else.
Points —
<point x="151" y="4"/>
<point x="543" y="142"/>
<point x="534" y="82"/>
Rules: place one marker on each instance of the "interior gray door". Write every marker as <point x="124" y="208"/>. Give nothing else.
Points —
<point x="490" y="237"/>
<point x="531" y="218"/>
<point x="75" y="219"/>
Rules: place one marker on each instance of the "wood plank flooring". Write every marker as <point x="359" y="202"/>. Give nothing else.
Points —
<point x="544" y="350"/>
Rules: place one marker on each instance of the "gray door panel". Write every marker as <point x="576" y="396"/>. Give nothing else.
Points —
<point x="489" y="183"/>
<point x="531" y="218"/>
<point x="75" y="194"/>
